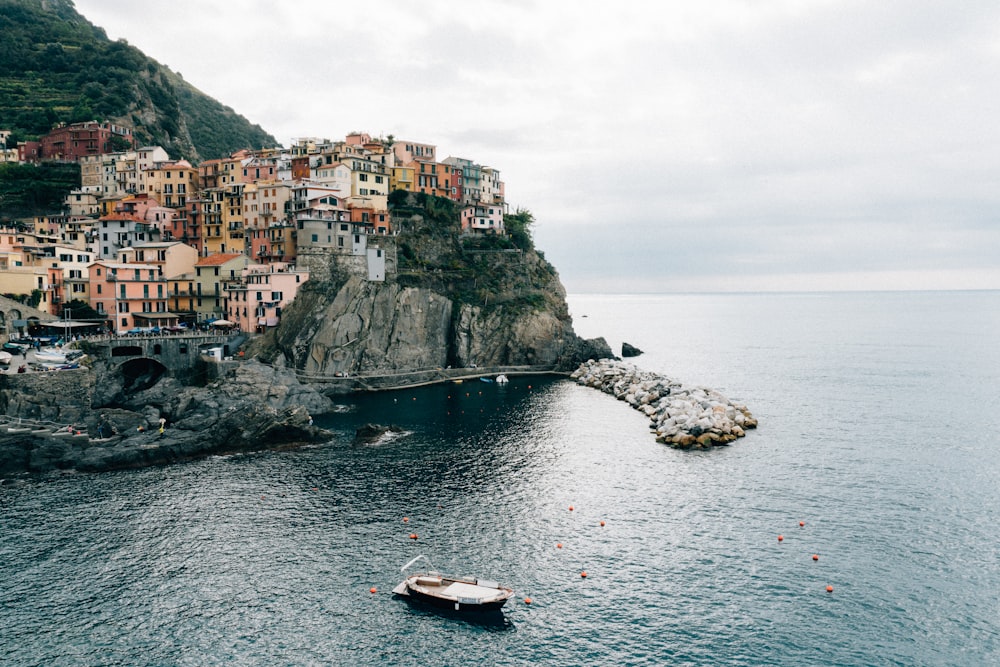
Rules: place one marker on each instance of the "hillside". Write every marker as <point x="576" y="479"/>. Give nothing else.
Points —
<point x="55" y="66"/>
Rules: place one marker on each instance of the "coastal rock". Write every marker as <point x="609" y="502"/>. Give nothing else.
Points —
<point x="682" y="417"/>
<point x="252" y="407"/>
<point x="370" y="433"/>
<point x="630" y="350"/>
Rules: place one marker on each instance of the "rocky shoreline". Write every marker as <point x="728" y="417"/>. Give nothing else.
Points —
<point x="682" y="417"/>
<point x="253" y="407"/>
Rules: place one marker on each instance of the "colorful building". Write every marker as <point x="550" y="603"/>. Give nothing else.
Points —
<point x="210" y="275"/>
<point x="130" y="296"/>
<point x="257" y="298"/>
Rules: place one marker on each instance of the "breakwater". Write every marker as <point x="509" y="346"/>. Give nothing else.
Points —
<point x="683" y="417"/>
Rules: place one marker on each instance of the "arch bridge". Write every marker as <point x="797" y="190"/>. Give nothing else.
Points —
<point x="181" y="355"/>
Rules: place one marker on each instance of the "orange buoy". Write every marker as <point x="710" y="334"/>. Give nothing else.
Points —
<point x="558" y="545"/>
<point x="829" y="589"/>
<point x="583" y="574"/>
<point x="527" y="600"/>
<point x="406" y="519"/>
<point x="570" y="508"/>
<point x="815" y="557"/>
<point x="373" y="590"/>
<point x="801" y="523"/>
<point x="413" y="536"/>
<point x="781" y="537"/>
<point x="602" y="524"/>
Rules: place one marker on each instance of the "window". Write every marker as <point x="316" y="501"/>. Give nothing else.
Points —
<point x="315" y="238"/>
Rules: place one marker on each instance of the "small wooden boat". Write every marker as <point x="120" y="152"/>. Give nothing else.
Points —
<point x="464" y="594"/>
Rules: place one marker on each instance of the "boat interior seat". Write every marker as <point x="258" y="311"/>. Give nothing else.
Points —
<point x="428" y="581"/>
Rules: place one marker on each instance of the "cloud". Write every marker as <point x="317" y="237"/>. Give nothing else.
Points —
<point x="672" y="141"/>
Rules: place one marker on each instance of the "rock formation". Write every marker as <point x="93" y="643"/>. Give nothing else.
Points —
<point x="682" y="417"/>
<point x="447" y="300"/>
<point x="252" y="407"/>
<point x="630" y="350"/>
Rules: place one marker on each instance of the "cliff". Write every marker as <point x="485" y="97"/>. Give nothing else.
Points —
<point x="447" y="300"/>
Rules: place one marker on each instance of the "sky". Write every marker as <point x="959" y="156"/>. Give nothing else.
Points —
<point x="662" y="146"/>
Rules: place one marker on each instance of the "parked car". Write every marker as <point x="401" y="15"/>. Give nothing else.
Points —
<point x="15" y="348"/>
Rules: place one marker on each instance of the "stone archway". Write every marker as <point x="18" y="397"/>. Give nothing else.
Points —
<point x="140" y="373"/>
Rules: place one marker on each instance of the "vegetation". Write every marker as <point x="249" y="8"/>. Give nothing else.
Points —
<point x="27" y="189"/>
<point x="488" y="270"/>
<point x="56" y="67"/>
<point x="81" y="310"/>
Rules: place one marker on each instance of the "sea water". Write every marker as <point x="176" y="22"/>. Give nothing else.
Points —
<point x="878" y="433"/>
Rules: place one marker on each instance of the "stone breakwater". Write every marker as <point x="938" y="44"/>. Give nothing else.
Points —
<point x="682" y="417"/>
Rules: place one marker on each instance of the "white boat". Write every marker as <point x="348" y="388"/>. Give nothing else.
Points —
<point x="50" y="355"/>
<point x="5" y="358"/>
<point x="464" y="594"/>
<point x="502" y="379"/>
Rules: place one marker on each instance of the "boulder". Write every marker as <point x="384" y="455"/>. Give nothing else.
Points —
<point x="630" y="350"/>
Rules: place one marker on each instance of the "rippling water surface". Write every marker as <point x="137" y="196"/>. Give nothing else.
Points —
<point x="879" y="421"/>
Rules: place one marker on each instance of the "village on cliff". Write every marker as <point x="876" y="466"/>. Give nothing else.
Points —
<point x="153" y="244"/>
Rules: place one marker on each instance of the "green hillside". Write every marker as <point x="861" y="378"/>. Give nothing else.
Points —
<point x="56" y="67"/>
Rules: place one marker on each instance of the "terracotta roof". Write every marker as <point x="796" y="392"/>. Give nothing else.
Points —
<point x="217" y="259"/>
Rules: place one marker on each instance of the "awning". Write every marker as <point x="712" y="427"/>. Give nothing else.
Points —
<point x="154" y="316"/>
<point x="272" y="321"/>
<point x="69" y="324"/>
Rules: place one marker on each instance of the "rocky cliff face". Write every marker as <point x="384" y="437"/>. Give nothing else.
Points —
<point x="358" y="326"/>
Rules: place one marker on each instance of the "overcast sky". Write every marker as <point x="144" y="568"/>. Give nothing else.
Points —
<point x="662" y="146"/>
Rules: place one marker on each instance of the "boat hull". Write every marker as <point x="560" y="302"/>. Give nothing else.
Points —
<point x="494" y="597"/>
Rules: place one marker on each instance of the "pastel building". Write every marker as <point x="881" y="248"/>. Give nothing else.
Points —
<point x="257" y="298"/>
<point x="129" y="295"/>
<point x="210" y="275"/>
<point x="482" y="219"/>
<point x="70" y="281"/>
<point x="172" y="257"/>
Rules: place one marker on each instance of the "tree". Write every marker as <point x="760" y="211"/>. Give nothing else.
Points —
<point x="81" y="310"/>
<point x="518" y="225"/>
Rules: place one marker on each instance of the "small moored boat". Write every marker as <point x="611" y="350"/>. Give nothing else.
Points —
<point x="465" y="594"/>
<point x="502" y="379"/>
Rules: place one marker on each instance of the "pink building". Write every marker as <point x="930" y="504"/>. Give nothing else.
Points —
<point x="129" y="295"/>
<point x="482" y="219"/>
<point x="256" y="299"/>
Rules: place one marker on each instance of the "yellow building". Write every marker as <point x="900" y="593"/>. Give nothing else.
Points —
<point x="402" y="178"/>
<point x="171" y="183"/>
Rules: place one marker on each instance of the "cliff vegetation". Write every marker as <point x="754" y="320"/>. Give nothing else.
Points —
<point x="454" y="300"/>
<point x="56" y="67"/>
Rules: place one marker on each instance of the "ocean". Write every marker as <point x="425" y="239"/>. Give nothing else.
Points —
<point x="876" y="452"/>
